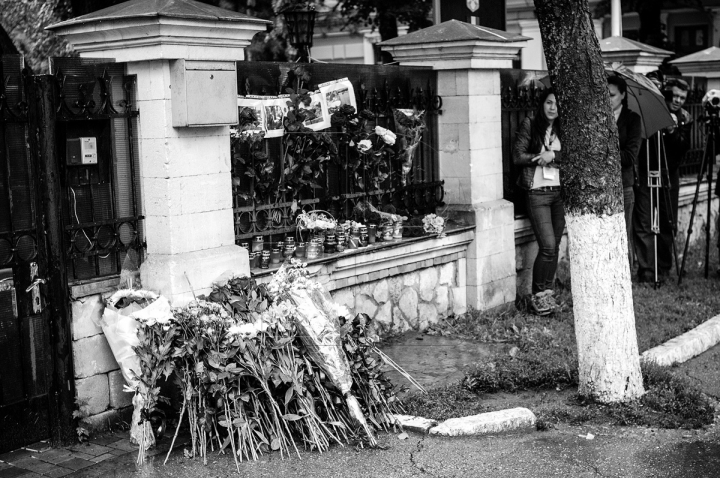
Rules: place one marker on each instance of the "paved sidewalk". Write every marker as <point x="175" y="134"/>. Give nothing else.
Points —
<point x="40" y="460"/>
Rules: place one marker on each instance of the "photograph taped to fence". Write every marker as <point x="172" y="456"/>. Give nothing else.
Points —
<point x="337" y="93"/>
<point x="275" y="110"/>
<point x="319" y="107"/>
<point x="255" y="103"/>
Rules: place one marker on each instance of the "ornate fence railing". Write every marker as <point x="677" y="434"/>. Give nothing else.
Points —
<point x="378" y="90"/>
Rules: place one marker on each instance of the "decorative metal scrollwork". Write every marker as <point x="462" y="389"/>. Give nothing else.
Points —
<point x="16" y="112"/>
<point x="91" y="98"/>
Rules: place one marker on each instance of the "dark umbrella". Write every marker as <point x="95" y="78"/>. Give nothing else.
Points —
<point x="643" y="98"/>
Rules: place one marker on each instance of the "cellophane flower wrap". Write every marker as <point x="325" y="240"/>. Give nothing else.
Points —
<point x="319" y="331"/>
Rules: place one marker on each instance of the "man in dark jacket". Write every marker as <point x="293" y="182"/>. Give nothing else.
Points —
<point x="629" y="127"/>
<point x="676" y="141"/>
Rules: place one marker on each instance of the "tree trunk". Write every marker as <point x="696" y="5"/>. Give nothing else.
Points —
<point x="609" y="364"/>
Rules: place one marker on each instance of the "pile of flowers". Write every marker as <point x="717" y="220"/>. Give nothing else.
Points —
<point x="274" y="367"/>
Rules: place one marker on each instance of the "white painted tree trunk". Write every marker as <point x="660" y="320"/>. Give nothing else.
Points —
<point x="609" y="363"/>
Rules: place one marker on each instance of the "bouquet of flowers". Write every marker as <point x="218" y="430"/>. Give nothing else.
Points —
<point x="434" y="224"/>
<point x="315" y="220"/>
<point x="319" y="332"/>
<point x="410" y="126"/>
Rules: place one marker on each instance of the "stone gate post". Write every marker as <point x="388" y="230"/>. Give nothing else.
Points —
<point x="184" y="55"/>
<point x="468" y="58"/>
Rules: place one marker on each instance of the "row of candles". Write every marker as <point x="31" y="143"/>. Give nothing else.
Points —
<point x="326" y="242"/>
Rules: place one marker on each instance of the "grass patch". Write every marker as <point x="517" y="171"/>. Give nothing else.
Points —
<point x="543" y="356"/>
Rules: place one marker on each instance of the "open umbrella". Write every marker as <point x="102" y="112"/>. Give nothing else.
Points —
<point x="643" y="98"/>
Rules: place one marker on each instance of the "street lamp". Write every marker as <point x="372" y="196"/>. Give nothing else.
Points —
<point x="300" y="21"/>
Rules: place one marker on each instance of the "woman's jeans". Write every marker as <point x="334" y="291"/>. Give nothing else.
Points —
<point x="547" y="217"/>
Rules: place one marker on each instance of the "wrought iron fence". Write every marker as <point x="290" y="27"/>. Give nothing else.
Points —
<point x="690" y="166"/>
<point x="520" y="93"/>
<point x="519" y="99"/>
<point x="378" y="90"/>
<point x="103" y="223"/>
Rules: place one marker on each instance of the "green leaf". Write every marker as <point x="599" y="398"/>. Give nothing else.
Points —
<point x="288" y="396"/>
<point x="291" y="417"/>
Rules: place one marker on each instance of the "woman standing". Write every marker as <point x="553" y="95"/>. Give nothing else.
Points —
<point x="629" y="125"/>
<point x="537" y="151"/>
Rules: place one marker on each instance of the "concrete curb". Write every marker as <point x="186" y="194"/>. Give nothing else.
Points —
<point x="416" y="424"/>
<point x="502" y="421"/>
<point x="686" y="346"/>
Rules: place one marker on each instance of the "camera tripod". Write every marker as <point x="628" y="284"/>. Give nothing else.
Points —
<point x="711" y="126"/>
<point x="658" y="181"/>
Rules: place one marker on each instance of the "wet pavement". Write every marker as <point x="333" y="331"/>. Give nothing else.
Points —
<point x="578" y="451"/>
<point x="434" y="360"/>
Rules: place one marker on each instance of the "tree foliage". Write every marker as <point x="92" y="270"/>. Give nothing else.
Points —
<point x="25" y="22"/>
<point x="384" y="15"/>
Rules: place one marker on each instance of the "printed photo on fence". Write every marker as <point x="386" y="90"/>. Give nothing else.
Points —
<point x="275" y="111"/>
<point x="337" y="93"/>
<point x="254" y="103"/>
<point x="322" y="117"/>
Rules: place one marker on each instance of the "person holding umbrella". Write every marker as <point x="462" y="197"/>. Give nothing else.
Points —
<point x="629" y="125"/>
<point x="654" y="248"/>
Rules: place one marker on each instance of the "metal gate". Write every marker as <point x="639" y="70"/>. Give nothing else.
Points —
<point x="61" y="221"/>
<point x="26" y="362"/>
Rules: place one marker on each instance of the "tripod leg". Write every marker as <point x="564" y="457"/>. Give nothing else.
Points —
<point x="669" y="207"/>
<point x="694" y="208"/>
<point x="654" y="183"/>
<point x="711" y="138"/>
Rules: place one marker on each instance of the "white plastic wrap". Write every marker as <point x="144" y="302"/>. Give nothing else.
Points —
<point x="120" y="326"/>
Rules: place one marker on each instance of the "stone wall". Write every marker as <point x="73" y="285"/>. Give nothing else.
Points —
<point x="98" y="380"/>
<point x="411" y="301"/>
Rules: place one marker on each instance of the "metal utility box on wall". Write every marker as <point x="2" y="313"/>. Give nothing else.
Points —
<point x="203" y="93"/>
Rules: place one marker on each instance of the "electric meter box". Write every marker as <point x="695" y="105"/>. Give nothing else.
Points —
<point x="203" y="93"/>
<point x="81" y="151"/>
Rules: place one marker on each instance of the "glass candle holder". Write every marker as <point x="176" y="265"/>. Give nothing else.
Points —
<point x="254" y="260"/>
<point x="313" y="250"/>
<point x="372" y="231"/>
<point x="275" y="256"/>
<point x="257" y="244"/>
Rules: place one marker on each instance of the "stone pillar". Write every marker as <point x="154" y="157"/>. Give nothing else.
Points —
<point x="470" y="132"/>
<point x="702" y="63"/>
<point x="638" y="57"/>
<point x="185" y="181"/>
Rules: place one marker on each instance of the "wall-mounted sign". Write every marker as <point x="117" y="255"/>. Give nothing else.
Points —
<point x="472" y="5"/>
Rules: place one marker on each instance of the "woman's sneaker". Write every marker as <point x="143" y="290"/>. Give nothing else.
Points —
<point x="549" y="300"/>
<point x="538" y="304"/>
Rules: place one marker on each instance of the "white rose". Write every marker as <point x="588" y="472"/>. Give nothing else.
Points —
<point x="387" y="136"/>
<point x="364" y="145"/>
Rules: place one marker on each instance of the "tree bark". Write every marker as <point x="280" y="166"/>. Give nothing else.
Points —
<point x="609" y="364"/>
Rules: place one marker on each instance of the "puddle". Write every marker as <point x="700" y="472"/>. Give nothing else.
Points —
<point x="433" y="360"/>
